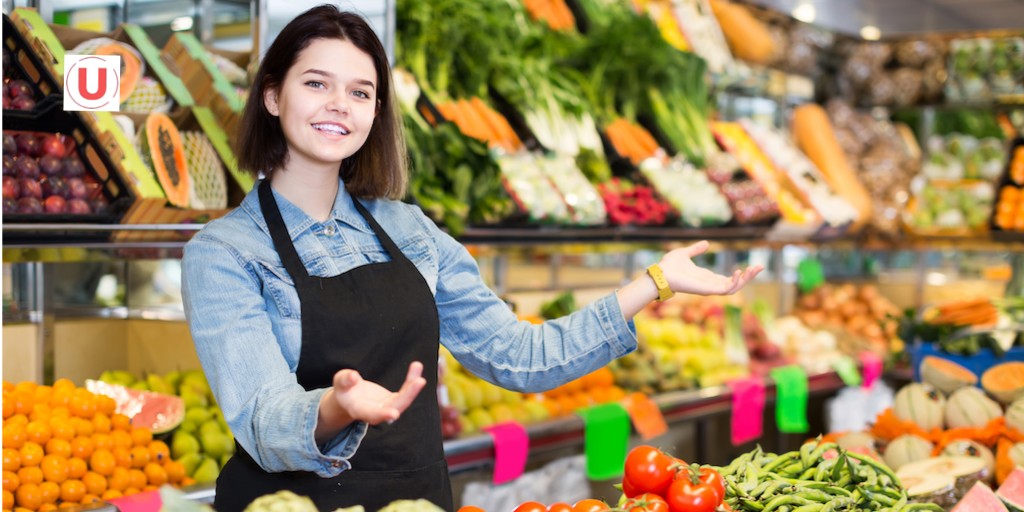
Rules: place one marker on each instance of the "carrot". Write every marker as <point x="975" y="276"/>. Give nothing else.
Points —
<point x="614" y="130"/>
<point x="508" y="134"/>
<point x="447" y="110"/>
<point x="566" y="21"/>
<point x="475" y="127"/>
<point x="487" y="115"/>
<point x="645" y="138"/>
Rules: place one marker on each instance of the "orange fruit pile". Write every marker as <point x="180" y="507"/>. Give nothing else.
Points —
<point x="64" y="446"/>
<point x="597" y="387"/>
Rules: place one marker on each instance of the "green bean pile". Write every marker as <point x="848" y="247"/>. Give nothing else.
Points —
<point x="806" y="481"/>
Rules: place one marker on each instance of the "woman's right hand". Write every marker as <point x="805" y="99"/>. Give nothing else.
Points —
<point x="366" y="401"/>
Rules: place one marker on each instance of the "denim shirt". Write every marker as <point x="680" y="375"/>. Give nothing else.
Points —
<point x="243" y="314"/>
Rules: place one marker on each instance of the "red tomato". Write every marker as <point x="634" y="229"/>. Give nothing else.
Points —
<point x="559" y="507"/>
<point x="589" y="505"/>
<point x="531" y="506"/>
<point x="646" y="502"/>
<point x="713" y="479"/>
<point x="470" y="508"/>
<point x="685" y="496"/>
<point x="648" y="470"/>
<point x="628" y="488"/>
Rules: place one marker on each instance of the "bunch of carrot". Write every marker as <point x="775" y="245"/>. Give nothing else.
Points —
<point x="478" y="120"/>
<point x="553" y="12"/>
<point x="978" y="311"/>
<point x="631" y="140"/>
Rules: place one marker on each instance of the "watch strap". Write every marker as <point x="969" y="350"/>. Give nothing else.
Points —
<point x="664" y="291"/>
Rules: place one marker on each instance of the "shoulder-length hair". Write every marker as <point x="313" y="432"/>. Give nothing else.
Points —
<point x="379" y="168"/>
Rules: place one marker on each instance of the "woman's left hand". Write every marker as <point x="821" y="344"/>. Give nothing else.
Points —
<point x="684" y="276"/>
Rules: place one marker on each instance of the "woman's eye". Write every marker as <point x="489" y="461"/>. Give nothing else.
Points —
<point x="315" y="84"/>
<point x="363" y="94"/>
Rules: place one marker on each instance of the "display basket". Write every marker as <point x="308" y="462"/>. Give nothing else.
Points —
<point x="22" y="62"/>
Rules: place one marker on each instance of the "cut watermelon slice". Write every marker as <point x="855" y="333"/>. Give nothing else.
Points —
<point x="156" y="411"/>
<point x="1012" y="490"/>
<point x="980" y="499"/>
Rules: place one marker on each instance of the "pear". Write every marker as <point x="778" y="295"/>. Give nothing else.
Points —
<point x="197" y="415"/>
<point x="210" y="426"/>
<point x="193" y="399"/>
<point x="191" y="462"/>
<point x="207" y="471"/>
<point x="140" y="385"/>
<point x="159" y="385"/>
<point x="215" y="443"/>
<point x="224" y="460"/>
<point x="183" y="444"/>
<point x="174" y="379"/>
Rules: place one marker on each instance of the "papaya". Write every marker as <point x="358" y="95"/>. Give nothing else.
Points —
<point x="163" y="148"/>
<point x="1004" y="381"/>
<point x="945" y="375"/>
<point x="131" y="67"/>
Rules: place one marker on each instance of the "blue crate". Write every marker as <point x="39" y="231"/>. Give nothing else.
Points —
<point x="977" y="363"/>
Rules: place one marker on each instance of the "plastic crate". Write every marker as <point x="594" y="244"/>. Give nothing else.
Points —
<point x="977" y="363"/>
<point x="22" y="62"/>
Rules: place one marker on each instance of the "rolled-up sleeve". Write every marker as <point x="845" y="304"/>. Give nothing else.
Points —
<point x="269" y="413"/>
<point x="487" y="338"/>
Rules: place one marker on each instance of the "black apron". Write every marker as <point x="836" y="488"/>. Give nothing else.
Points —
<point x="376" y="319"/>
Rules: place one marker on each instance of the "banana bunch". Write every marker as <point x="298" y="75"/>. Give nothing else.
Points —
<point x="819" y="477"/>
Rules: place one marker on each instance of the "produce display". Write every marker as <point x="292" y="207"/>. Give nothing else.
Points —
<point x="695" y="198"/>
<point x="1009" y="208"/>
<point x="43" y="173"/>
<point x="748" y="200"/>
<point x="199" y="436"/>
<point x="64" y="446"/>
<point x="634" y="204"/>
<point x="982" y="68"/>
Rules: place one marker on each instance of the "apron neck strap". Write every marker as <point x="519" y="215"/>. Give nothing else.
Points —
<point x="382" y="236"/>
<point x="279" y="233"/>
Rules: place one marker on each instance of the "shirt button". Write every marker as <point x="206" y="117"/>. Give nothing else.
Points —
<point x="329" y="230"/>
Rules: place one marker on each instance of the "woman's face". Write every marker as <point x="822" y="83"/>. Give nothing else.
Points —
<point x="326" y="104"/>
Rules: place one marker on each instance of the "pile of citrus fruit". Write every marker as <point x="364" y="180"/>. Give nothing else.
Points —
<point x="64" y="446"/>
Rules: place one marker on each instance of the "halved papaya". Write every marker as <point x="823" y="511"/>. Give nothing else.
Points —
<point x="131" y="67"/>
<point x="161" y="143"/>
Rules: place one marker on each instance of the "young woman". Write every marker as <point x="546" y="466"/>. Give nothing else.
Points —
<point x="317" y="305"/>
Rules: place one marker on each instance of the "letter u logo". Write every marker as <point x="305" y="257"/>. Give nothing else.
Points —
<point x="101" y="84"/>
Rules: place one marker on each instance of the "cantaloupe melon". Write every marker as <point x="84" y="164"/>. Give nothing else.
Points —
<point x="1005" y="381"/>
<point x="1015" y="415"/>
<point x="937" y="489"/>
<point x="906" y="449"/>
<point x="971" y="448"/>
<point x="970" y="407"/>
<point x="920" y="403"/>
<point x="162" y="147"/>
<point x="966" y="470"/>
<point x="945" y="375"/>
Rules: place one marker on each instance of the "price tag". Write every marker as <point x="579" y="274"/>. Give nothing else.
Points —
<point x="872" y="367"/>
<point x="847" y="370"/>
<point x="646" y="416"/>
<point x="790" y="399"/>
<point x="605" y="440"/>
<point x="809" y="274"/>
<point x="148" y="501"/>
<point x="747" y="409"/>
<point x="511" y="447"/>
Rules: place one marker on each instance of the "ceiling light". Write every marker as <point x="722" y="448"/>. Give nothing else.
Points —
<point x="181" y="24"/>
<point x="805" y="13"/>
<point x="870" y="32"/>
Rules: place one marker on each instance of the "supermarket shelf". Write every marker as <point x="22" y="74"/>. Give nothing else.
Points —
<point x="681" y="406"/>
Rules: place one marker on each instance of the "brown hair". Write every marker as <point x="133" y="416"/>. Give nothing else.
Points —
<point x="379" y="168"/>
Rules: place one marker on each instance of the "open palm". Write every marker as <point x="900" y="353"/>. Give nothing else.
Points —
<point x="684" y="276"/>
<point x="372" y="403"/>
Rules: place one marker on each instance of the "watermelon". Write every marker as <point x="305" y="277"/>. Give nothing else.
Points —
<point x="980" y="499"/>
<point x="156" y="411"/>
<point x="1012" y="490"/>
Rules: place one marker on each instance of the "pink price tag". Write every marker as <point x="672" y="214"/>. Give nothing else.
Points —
<point x="871" y="368"/>
<point x="511" y="446"/>
<point x="140" y="502"/>
<point x="747" y="409"/>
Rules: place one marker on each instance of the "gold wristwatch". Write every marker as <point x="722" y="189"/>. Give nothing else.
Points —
<point x="664" y="292"/>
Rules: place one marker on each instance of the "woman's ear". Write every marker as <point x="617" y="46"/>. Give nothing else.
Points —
<point x="270" y="101"/>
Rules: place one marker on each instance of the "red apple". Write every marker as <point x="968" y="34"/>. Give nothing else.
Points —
<point x="10" y="205"/>
<point x="18" y="88"/>
<point x="30" y="205"/>
<point x="50" y="165"/>
<point x="54" y="204"/>
<point x="23" y="103"/>
<point x="99" y="204"/>
<point x="28" y="144"/>
<point x="52" y="144"/>
<point x="11" y="189"/>
<point x="8" y="165"/>
<point x="78" y="206"/>
<point x="30" y="188"/>
<point x="10" y="145"/>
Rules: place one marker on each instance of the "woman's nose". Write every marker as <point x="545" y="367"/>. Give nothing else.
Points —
<point x="338" y="103"/>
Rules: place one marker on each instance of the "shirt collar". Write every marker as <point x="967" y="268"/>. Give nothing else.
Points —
<point x="296" y="219"/>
